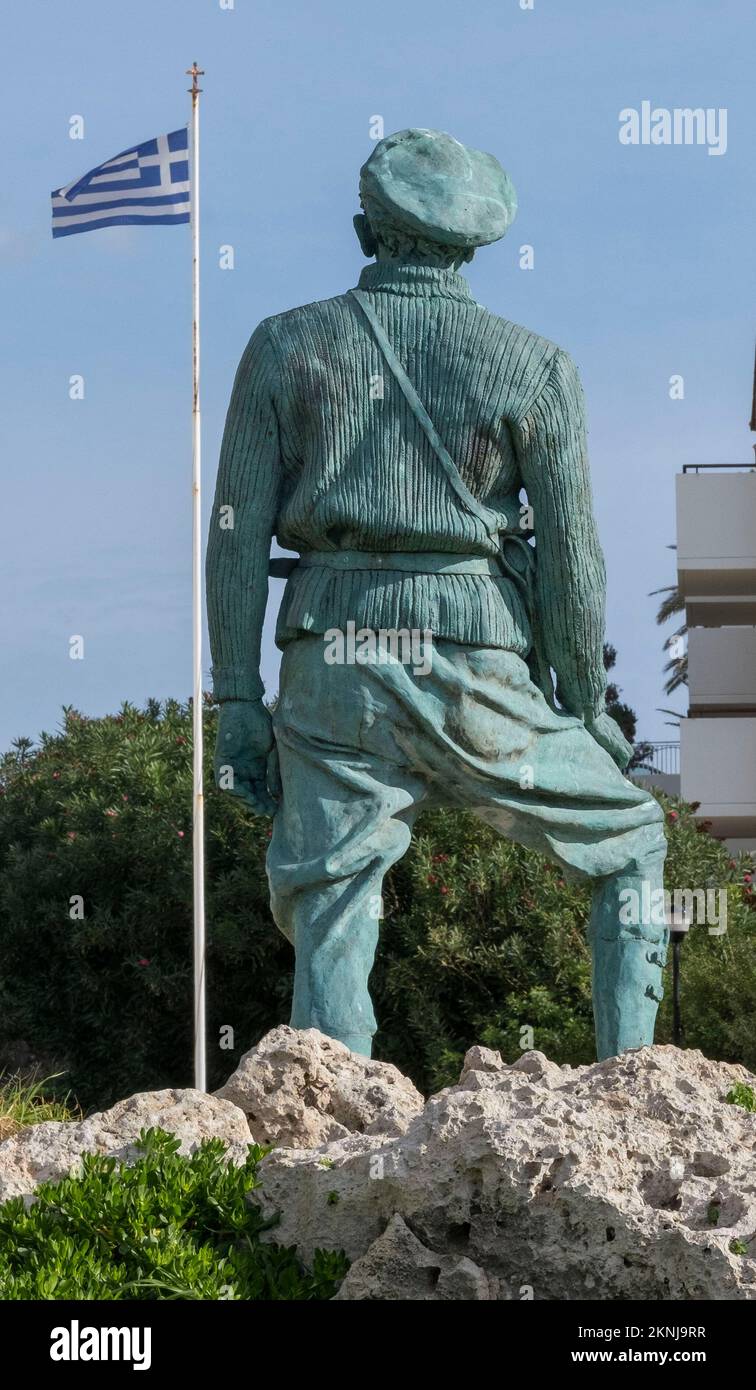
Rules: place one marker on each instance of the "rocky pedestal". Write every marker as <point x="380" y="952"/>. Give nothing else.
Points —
<point x="633" y="1178"/>
<point x="299" y="1088"/>
<point x="629" y="1179"/>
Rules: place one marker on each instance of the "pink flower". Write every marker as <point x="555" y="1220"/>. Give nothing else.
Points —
<point x="71" y="835"/>
<point x="111" y="812"/>
<point x="443" y="889"/>
<point x="181" y="834"/>
<point x="56" y="775"/>
<point x="124" y="797"/>
<point x="143" y="961"/>
<point x="672" y="816"/>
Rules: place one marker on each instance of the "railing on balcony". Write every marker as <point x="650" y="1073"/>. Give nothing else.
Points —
<point x="696" y="467"/>
<point x="660" y="757"/>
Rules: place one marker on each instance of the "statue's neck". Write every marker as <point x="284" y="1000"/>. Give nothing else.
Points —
<point x="404" y="277"/>
<point x="383" y="258"/>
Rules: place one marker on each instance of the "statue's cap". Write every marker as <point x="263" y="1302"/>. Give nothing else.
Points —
<point x="427" y="181"/>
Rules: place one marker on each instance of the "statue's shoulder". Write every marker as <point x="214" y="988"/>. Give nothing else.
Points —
<point x="527" y="360"/>
<point x="303" y="316"/>
<point x="524" y="358"/>
<point x="515" y="335"/>
<point x="517" y="338"/>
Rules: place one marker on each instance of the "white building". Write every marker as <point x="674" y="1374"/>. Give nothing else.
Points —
<point x="716" y="568"/>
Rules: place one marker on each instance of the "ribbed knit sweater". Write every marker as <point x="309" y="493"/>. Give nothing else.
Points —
<point x="321" y="450"/>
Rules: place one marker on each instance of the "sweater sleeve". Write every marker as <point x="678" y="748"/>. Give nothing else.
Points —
<point x="570" y="585"/>
<point x="242" y="523"/>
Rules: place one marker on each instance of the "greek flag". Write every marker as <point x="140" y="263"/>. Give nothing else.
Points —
<point x="146" y="183"/>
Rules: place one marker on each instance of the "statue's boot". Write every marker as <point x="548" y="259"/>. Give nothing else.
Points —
<point x="628" y="936"/>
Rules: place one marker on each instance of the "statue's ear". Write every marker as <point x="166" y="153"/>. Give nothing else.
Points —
<point x="365" y="236"/>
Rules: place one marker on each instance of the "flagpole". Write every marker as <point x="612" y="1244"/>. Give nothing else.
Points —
<point x="198" y="808"/>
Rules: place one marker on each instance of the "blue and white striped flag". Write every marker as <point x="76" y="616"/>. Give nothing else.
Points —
<point x="147" y="183"/>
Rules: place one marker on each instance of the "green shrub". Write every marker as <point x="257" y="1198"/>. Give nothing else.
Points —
<point x="101" y="813"/>
<point x="718" y="973"/>
<point x="742" y="1095"/>
<point x="168" y="1227"/>
<point x="482" y="941"/>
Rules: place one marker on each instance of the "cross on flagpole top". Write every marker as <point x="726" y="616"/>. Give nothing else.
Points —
<point x="194" y="72"/>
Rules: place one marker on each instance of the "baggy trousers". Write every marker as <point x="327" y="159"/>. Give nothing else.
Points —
<point x="364" y="747"/>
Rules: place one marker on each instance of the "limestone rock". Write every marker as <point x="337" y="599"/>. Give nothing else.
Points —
<point x="50" y="1151"/>
<point x="628" y="1179"/>
<point x="299" y="1088"/>
<point x="398" y="1267"/>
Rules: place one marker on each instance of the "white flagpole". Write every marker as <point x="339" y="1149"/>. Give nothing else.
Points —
<point x="198" y="810"/>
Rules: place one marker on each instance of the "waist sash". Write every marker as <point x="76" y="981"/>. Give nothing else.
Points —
<point x="402" y="561"/>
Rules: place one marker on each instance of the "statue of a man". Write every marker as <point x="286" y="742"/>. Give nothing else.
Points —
<point x="386" y="436"/>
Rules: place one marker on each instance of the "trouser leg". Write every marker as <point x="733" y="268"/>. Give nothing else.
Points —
<point x="551" y="787"/>
<point x="628" y="939"/>
<point x="343" y="822"/>
<point x="336" y="924"/>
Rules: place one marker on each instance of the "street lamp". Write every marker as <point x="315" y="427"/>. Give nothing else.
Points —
<point x="679" y="925"/>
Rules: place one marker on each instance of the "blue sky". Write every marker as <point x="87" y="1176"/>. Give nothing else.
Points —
<point x="644" y="268"/>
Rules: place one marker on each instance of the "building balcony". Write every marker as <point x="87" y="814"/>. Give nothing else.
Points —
<point x="716" y="544"/>
<point x="718" y="770"/>
<point x="722" y="670"/>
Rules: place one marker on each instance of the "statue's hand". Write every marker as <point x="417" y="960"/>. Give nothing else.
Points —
<point x="609" y="735"/>
<point x="246" y="746"/>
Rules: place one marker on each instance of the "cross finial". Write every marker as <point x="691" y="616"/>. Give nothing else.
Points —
<point x="194" y="72"/>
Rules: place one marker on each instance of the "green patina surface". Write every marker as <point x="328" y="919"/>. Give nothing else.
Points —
<point x="325" y="450"/>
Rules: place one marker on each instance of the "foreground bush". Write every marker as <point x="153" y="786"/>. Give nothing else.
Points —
<point x="482" y="941"/>
<point x="167" y="1227"/>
